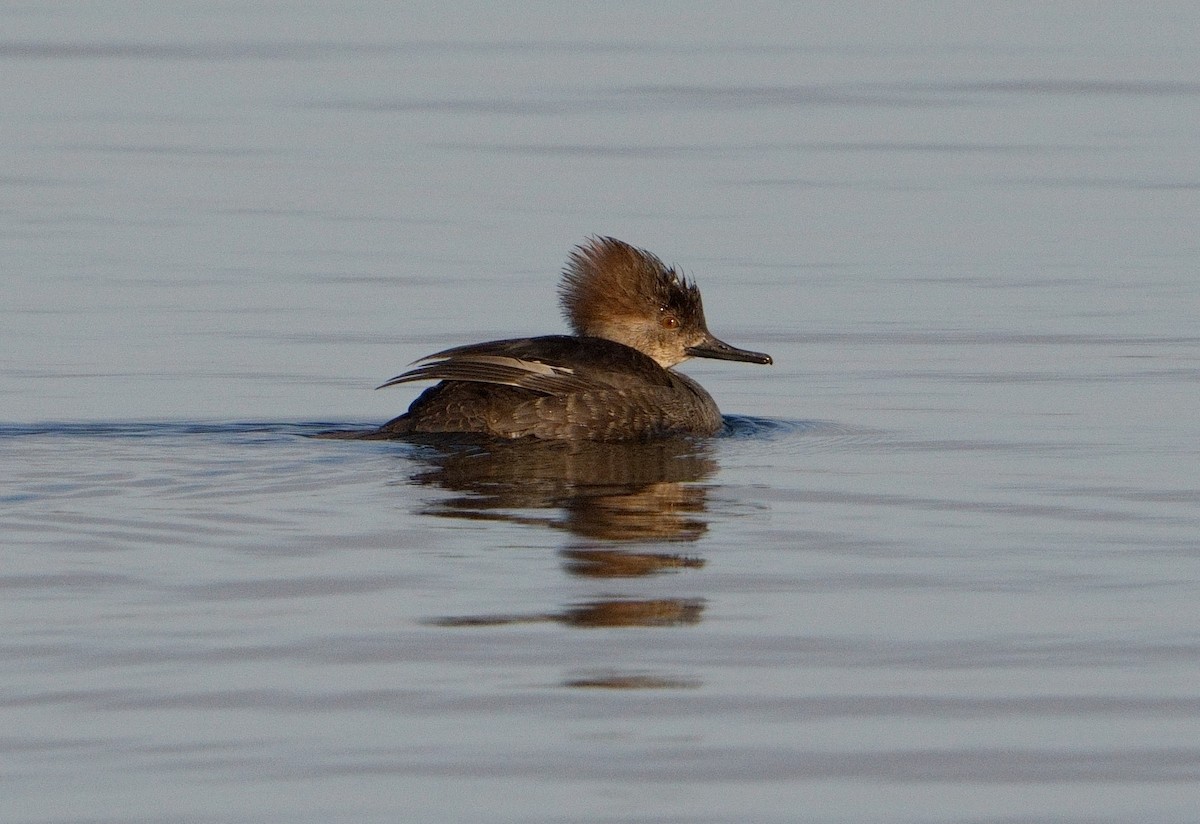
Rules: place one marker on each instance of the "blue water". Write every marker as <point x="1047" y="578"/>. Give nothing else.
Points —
<point x="941" y="567"/>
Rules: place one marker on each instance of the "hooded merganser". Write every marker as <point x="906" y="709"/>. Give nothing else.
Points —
<point x="634" y="318"/>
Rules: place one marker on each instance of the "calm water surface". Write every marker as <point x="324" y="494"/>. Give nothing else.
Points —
<point x="943" y="565"/>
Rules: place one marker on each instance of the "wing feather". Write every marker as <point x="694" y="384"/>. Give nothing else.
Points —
<point x="534" y="375"/>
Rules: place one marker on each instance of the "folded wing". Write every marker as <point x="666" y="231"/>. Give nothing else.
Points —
<point x="554" y="365"/>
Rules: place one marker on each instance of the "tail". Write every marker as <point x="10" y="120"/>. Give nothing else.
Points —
<point x="355" y="435"/>
<point x="395" y="428"/>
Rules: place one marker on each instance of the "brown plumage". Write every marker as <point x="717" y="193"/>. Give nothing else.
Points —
<point x="609" y="288"/>
<point x="634" y="318"/>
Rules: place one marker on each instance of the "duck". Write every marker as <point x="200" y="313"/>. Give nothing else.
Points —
<point x="634" y="319"/>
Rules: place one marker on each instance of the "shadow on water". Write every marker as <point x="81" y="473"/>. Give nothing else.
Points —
<point x="625" y="510"/>
<point x="615" y="503"/>
<point x="596" y="492"/>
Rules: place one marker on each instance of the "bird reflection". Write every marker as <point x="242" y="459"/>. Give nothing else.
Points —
<point x="600" y="491"/>
<point x="619" y="563"/>
<point x="605" y="496"/>
<point x="613" y="612"/>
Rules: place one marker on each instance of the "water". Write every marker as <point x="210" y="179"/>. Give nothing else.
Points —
<point x="943" y="566"/>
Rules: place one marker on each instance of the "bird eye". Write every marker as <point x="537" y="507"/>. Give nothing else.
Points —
<point x="669" y="321"/>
